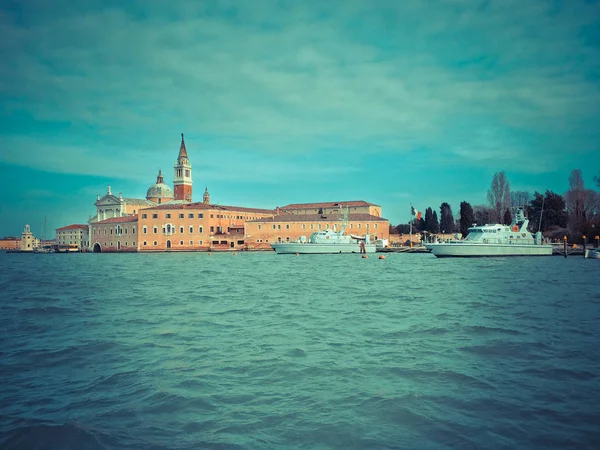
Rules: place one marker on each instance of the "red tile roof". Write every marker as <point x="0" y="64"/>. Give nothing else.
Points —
<point x="203" y="206"/>
<point x="73" y="227"/>
<point x="350" y="204"/>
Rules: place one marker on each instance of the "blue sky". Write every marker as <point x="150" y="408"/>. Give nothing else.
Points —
<point x="392" y="102"/>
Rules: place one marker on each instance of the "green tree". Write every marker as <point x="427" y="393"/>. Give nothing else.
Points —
<point x="484" y="215"/>
<point x="499" y="196"/>
<point x="467" y="217"/>
<point x="428" y="220"/>
<point x="507" y="217"/>
<point x="575" y="201"/>
<point x="435" y="225"/>
<point x="554" y="215"/>
<point x="446" y="219"/>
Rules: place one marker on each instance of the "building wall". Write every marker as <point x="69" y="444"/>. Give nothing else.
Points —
<point x="10" y="243"/>
<point x="373" y="210"/>
<point x="193" y="229"/>
<point x="114" y="236"/>
<point x="73" y="236"/>
<point x="260" y="235"/>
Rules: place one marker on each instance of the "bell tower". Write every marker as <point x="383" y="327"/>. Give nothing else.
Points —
<point x="182" y="181"/>
<point x="206" y="197"/>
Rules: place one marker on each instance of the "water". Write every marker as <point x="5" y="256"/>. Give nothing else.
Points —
<point x="260" y="351"/>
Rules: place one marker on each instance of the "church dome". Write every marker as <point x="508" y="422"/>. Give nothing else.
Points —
<point x="159" y="190"/>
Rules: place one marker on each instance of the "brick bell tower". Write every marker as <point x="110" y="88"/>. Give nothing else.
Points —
<point x="182" y="181"/>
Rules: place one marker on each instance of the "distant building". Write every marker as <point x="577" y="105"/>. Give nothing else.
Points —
<point x="286" y="227"/>
<point x="28" y="240"/>
<point x="117" y="234"/>
<point x="353" y="207"/>
<point x="10" y="243"/>
<point x="73" y="237"/>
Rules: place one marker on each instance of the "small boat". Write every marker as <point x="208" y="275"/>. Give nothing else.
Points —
<point x="495" y="240"/>
<point x="328" y="241"/>
<point x="593" y="253"/>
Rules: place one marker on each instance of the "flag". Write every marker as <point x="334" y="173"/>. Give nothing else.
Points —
<point x="415" y="213"/>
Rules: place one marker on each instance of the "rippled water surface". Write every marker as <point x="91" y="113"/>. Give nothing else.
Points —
<point x="257" y="350"/>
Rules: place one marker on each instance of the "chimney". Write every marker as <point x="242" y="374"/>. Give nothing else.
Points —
<point x="277" y="212"/>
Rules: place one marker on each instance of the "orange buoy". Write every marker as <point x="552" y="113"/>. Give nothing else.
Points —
<point x="381" y="257"/>
<point x="364" y="256"/>
<point x="296" y="254"/>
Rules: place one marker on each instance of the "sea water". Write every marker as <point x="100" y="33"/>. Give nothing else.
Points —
<point x="266" y="351"/>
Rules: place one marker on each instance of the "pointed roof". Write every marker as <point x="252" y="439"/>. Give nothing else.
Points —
<point x="182" y="149"/>
<point x="160" y="179"/>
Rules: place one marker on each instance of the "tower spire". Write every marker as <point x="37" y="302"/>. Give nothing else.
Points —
<point x="182" y="149"/>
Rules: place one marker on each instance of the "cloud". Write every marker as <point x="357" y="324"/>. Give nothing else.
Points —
<point x="474" y="83"/>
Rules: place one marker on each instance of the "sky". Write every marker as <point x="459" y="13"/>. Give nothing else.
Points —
<point x="392" y="102"/>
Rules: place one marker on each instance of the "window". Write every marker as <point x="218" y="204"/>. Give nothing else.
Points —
<point x="199" y="242"/>
<point x="374" y="225"/>
<point x="358" y="226"/>
<point x="155" y="216"/>
<point x="180" y="242"/>
<point x="304" y="226"/>
<point x="200" y="230"/>
<point x="187" y="172"/>
<point x="191" y="242"/>
<point x="133" y="229"/>
<point x="279" y="226"/>
<point x="191" y="229"/>
<point x="190" y="215"/>
<point x="312" y="226"/>
<point x="145" y="243"/>
<point x="144" y="216"/>
<point x="274" y="226"/>
<point x="155" y="243"/>
<point x="181" y="216"/>
<point x="200" y="216"/>
<point x="212" y="216"/>
<point x="133" y="243"/>
<point x="260" y="227"/>
<point x="212" y="229"/>
<point x="319" y="226"/>
<point x="367" y="226"/>
<point x="287" y="226"/>
<point x="125" y="243"/>
<point x="145" y="230"/>
<point x="155" y="229"/>
<point x="168" y="215"/>
<point x="287" y="239"/>
<point x="181" y="230"/>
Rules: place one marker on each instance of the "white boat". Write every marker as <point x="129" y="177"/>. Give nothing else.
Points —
<point x="495" y="240"/>
<point x="328" y="241"/>
<point x="593" y="253"/>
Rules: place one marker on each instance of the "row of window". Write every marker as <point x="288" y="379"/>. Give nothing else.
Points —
<point x="111" y="244"/>
<point x="312" y="226"/>
<point x="200" y="216"/>
<point x="169" y="229"/>
<point x="145" y="243"/>
<point x="118" y="230"/>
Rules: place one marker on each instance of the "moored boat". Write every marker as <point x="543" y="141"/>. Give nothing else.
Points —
<point x="495" y="240"/>
<point x="328" y="241"/>
<point x="593" y="253"/>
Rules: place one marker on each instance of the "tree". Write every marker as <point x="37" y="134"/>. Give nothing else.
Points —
<point x="467" y="217"/>
<point x="597" y="179"/>
<point x="507" y="217"/>
<point x="575" y="199"/>
<point x="403" y="228"/>
<point x="428" y="220"/>
<point x="554" y="215"/>
<point x="435" y="225"/>
<point x="446" y="219"/>
<point x="499" y="196"/>
<point x="519" y="199"/>
<point x="484" y="215"/>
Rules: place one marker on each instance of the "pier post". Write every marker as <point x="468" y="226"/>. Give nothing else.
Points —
<point x="565" y="245"/>
<point x="597" y="238"/>
<point x="584" y="244"/>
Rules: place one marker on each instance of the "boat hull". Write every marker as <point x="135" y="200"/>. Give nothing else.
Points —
<point x="308" y="248"/>
<point x="592" y="254"/>
<point x="467" y="250"/>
